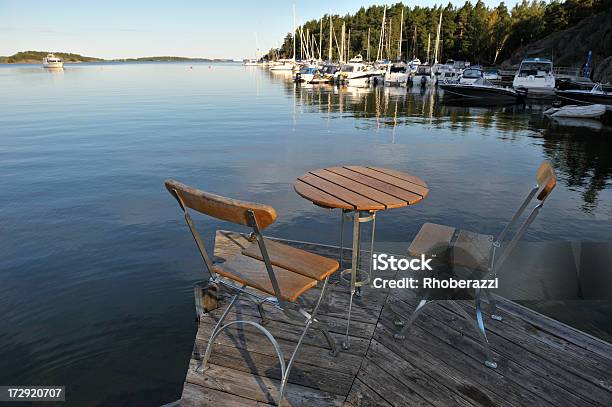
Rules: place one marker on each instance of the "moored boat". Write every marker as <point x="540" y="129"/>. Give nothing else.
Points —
<point x="535" y="75"/>
<point x="396" y="74"/>
<point x="597" y="95"/>
<point x="51" y="61"/>
<point x="483" y="89"/>
<point x="576" y="111"/>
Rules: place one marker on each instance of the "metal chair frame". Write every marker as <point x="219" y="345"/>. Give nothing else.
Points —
<point x="493" y="267"/>
<point x="291" y="310"/>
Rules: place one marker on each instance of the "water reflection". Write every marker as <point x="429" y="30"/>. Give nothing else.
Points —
<point x="581" y="150"/>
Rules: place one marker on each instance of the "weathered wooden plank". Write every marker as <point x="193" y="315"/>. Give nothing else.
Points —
<point x="412" y="377"/>
<point x="258" y="388"/>
<point x="445" y="347"/>
<point x="557" y="329"/>
<point x="305" y="374"/>
<point x="555" y="383"/>
<point x="255" y="342"/>
<point x="589" y="369"/>
<point x="388" y="387"/>
<point x="363" y="396"/>
<point x="198" y="396"/>
<point x="434" y="363"/>
<point x="289" y="332"/>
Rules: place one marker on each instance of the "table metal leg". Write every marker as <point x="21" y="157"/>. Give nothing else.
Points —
<point x="356" y="281"/>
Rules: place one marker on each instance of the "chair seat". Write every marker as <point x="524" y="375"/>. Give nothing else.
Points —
<point x="290" y="258"/>
<point x="455" y="246"/>
<point x="253" y="273"/>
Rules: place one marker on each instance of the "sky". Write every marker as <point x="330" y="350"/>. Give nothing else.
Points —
<point x="191" y="28"/>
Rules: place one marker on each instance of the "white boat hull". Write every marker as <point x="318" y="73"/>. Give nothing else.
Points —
<point x="575" y="111"/>
<point x="53" y="65"/>
<point x="394" y="78"/>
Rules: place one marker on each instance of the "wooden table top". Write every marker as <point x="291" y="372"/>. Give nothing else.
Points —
<point x="360" y="188"/>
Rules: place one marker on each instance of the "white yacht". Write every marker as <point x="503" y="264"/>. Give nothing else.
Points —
<point x="51" y="61"/>
<point x="424" y="76"/>
<point x="397" y="74"/>
<point x="535" y="75"/>
<point x="283" y="65"/>
<point x="355" y="73"/>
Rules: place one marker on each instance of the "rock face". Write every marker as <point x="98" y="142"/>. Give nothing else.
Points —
<point x="569" y="47"/>
<point x="603" y="71"/>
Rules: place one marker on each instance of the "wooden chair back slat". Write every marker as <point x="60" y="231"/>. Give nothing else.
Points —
<point x="219" y="207"/>
<point x="546" y="179"/>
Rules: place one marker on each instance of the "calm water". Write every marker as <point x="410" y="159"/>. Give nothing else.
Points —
<point x="96" y="265"/>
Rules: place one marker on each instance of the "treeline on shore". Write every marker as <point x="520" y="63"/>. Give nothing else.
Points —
<point x="35" y="57"/>
<point x="474" y="32"/>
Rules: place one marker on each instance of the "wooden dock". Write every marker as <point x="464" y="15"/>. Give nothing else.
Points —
<point x="541" y="362"/>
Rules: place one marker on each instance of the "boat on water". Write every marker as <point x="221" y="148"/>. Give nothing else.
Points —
<point x="483" y="89"/>
<point x="424" y="76"/>
<point x="51" y="61"/>
<point x="250" y="62"/>
<point x="413" y="65"/>
<point x="470" y="76"/>
<point x="535" y="75"/>
<point x="307" y="74"/>
<point x="326" y="74"/>
<point x="396" y="74"/>
<point x="597" y="95"/>
<point x="283" y="65"/>
<point x="356" y="73"/>
<point x="577" y="111"/>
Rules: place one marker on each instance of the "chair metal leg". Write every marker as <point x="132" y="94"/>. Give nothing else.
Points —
<point x="262" y="313"/>
<point x="493" y="306"/>
<point x="402" y="334"/>
<point x="309" y="321"/>
<point x="202" y="363"/>
<point x="479" y="325"/>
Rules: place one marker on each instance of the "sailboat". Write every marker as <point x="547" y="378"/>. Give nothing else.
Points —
<point x="397" y="73"/>
<point x="286" y="65"/>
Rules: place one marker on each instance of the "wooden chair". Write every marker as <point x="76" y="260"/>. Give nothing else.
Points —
<point x="282" y="273"/>
<point x="477" y="252"/>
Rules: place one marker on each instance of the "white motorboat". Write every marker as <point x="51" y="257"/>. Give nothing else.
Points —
<point x="355" y="74"/>
<point x="535" y="75"/>
<point x="51" y="61"/>
<point x="424" y="77"/>
<point x="283" y="65"/>
<point x="396" y="74"/>
<point x="483" y="90"/>
<point x="470" y="75"/>
<point x="413" y="65"/>
<point x="307" y="74"/>
<point x="577" y="111"/>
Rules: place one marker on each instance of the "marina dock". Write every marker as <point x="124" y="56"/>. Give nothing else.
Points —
<point x="541" y="362"/>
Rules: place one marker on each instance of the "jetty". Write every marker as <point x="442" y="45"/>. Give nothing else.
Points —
<point x="541" y="362"/>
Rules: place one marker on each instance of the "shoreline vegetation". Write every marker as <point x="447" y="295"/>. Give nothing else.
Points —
<point x="35" y="57"/>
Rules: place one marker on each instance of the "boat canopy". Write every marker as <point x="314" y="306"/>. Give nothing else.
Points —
<point x="472" y="73"/>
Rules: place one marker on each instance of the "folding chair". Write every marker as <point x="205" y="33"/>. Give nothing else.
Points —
<point x="282" y="272"/>
<point x="477" y="252"/>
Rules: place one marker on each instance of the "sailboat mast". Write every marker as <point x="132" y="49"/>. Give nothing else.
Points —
<point x="342" y="39"/>
<point x="399" y="50"/>
<point x="321" y="40"/>
<point x="436" y="48"/>
<point x="348" y="46"/>
<point x="329" y="51"/>
<point x="381" y="40"/>
<point x="294" y="32"/>
<point x="368" y="50"/>
<point x="428" y="40"/>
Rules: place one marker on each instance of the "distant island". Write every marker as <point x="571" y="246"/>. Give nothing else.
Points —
<point x="36" y="57"/>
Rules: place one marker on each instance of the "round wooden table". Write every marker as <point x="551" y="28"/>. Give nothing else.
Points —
<point x="362" y="191"/>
